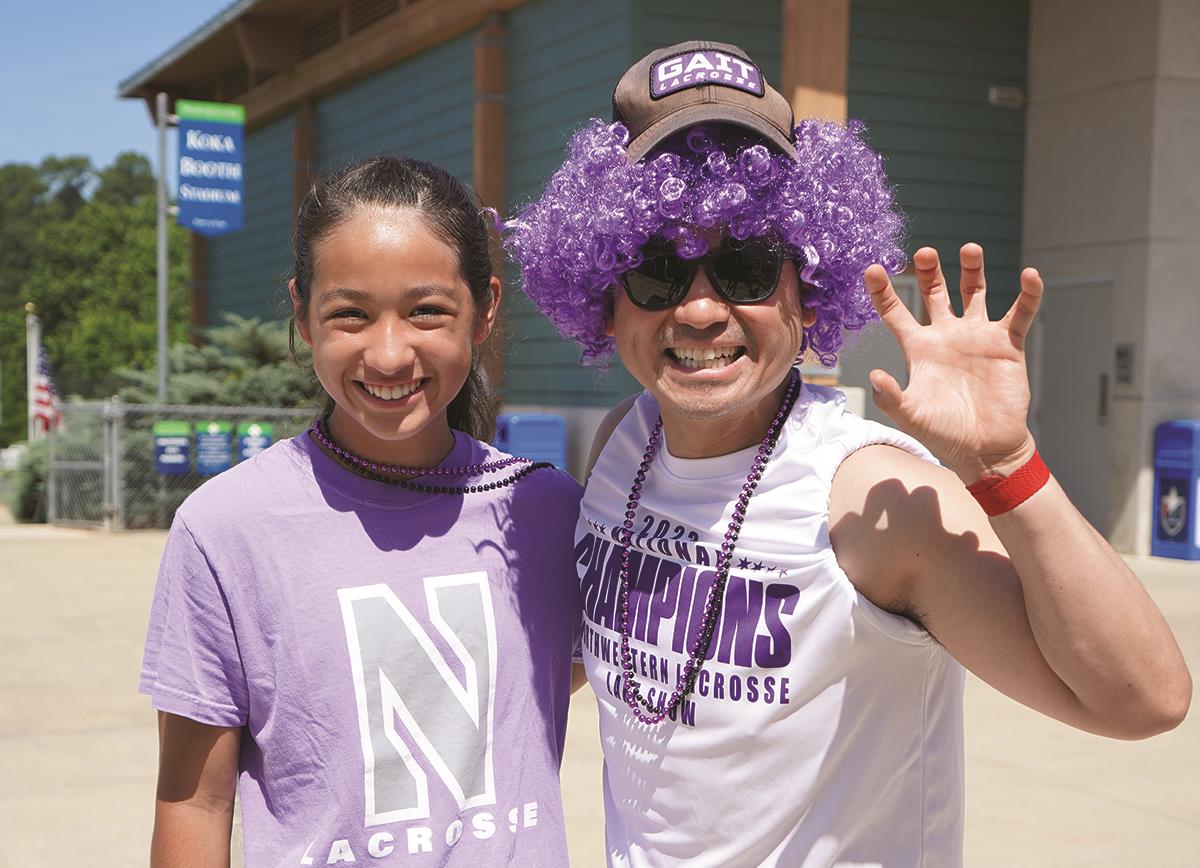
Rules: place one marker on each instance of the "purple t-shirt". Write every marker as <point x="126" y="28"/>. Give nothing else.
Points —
<point x="400" y="661"/>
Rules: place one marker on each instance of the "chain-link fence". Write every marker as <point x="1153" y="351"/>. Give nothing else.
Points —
<point x="129" y="466"/>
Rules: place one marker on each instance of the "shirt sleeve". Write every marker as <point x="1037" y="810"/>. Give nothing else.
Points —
<point x="192" y="666"/>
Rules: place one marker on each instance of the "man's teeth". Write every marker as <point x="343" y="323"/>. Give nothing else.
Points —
<point x="704" y="357"/>
<point x="391" y="393"/>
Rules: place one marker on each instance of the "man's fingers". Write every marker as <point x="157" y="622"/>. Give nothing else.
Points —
<point x="887" y="304"/>
<point x="886" y="392"/>
<point x="1020" y="316"/>
<point x="971" y="283"/>
<point x="932" y="284"/>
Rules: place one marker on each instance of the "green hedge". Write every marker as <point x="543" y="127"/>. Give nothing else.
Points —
<point x="26" y="486"/>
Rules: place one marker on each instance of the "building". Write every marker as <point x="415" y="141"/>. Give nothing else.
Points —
<point x="1054" y="132"/>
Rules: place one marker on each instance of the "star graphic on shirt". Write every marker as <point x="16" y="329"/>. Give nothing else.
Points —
<point x="603" y="528"/>
<point x="744" y="564"/>
<point x="758" y="566"/>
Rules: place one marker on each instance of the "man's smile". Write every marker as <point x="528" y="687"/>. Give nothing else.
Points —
<point x="697" y="357"/>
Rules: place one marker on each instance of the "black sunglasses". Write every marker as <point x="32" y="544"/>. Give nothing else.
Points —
<point x="741" y="272"/>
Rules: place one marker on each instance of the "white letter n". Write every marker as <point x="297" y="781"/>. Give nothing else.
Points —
<point x="401" y="674"/>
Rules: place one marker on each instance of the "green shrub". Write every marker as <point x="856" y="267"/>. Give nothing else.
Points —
<point x="26" y="486"/>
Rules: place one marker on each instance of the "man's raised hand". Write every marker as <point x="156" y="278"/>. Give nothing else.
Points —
<point x="967" y="398"/>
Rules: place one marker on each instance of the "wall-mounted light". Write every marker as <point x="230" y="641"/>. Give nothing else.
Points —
<point x="1006" y="96"/>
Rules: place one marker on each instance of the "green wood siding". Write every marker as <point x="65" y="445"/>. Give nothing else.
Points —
<point x="564" y="57"/>
<point x="752" y="25"/>
<point x="423" y="107"/>
<point x="246" y="269"/>
<point x="919" y="72"/>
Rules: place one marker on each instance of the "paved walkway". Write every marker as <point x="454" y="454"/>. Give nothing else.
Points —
<point x="78" y="744"/>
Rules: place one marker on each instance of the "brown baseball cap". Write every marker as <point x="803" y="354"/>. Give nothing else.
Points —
<point x="676" y="87"/>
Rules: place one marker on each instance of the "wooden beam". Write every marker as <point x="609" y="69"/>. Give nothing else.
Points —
<point x="402" y="34"/>
<point x="304" y="152"/>
<point x="491" y="49"/>
<point x="269" y="43"/>
<point x="814" y="58"/>
<point x="490" y="60"/>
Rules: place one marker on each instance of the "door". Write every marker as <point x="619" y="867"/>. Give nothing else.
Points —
<point x="1072" y="400"/>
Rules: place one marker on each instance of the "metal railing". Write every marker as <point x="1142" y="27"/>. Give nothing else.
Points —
<point x="109" y="468"/>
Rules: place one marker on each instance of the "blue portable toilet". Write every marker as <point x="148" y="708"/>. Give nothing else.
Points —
<point x="537" y="436"/>
<point x="1176" y="531"/>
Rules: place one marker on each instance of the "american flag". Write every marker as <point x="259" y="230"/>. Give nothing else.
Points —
<point x="45" y="408"/>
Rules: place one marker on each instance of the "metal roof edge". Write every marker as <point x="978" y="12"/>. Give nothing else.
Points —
<point x="129" y="86"/>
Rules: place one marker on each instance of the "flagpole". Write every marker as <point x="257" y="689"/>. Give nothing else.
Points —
<point x="32" y="342"/>
<point x="161" y="120"/>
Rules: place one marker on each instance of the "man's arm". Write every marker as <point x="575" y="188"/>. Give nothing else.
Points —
<point x="197" y="779"/>
<point x="1034" y="601"/>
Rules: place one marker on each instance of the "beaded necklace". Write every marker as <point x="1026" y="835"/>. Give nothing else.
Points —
<point x="376" y="471"/>
<point x="630" y="689"/>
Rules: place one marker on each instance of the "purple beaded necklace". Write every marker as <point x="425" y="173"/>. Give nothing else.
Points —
<point x="630" y="689"/>
<point x="386" y="472"/>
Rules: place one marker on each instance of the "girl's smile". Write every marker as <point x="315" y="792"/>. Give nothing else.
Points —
<point x="393" y="393"/>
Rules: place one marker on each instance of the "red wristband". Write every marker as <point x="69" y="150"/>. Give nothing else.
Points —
<point x="999" y="494"/>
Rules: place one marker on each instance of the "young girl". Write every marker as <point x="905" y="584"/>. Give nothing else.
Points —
<point x="370" y="626"/>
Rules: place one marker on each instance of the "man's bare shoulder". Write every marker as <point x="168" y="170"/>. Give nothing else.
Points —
<point x="607" y="425"/>
<point x="889" y="509"/>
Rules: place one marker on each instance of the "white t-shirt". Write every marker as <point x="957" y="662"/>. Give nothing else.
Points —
<point x="823" y="731"/>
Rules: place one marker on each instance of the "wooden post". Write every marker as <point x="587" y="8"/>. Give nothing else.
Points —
<point x="490" y="58"/>
<point x="489" y="151"/>
<point x="814" y="57"/>
<point x="304" y="152"/>
<point x="813" y="63"/>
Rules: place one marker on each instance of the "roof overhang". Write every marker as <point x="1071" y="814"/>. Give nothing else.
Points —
<point x="273" y="55"/>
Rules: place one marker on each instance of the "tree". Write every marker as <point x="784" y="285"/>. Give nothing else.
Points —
<point x="128" y="181"/>
<point x="94" y="285"/>
<point x="244" y="361"/>
<point x="81" y="245"/>
<point x="67" y="180"/>
<point x="22" y="210"/>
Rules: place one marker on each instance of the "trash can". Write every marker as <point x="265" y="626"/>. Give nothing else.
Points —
<point x="1176" y="531"/>
<point x="538" y="436"/>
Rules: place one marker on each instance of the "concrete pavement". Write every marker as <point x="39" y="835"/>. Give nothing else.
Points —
<point x="78" y="744"/>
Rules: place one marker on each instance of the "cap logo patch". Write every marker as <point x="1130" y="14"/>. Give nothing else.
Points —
<point x="695" y="68"/>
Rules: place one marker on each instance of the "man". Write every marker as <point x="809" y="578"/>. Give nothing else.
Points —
<point x="780" y="597"/>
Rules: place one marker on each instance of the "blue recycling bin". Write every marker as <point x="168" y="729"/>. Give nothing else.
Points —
<point x="1176" y="531"/>
<point x="538" y="436"/>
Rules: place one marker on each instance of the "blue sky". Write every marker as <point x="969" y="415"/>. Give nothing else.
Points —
<point x="59" y="67"/>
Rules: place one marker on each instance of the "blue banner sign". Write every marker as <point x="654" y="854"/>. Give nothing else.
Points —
<point x="210" y="166"/>
<point x="253" y="438"/>
<point x="172" y="447"/>
<point x="214" y="447"/>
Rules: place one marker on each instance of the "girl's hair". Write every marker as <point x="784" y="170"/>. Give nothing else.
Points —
<point x="452" y="214"/>
<point x="829" y="205"/>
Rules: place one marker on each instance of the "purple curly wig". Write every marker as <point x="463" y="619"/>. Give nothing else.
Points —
<point x="831" y="207"/>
